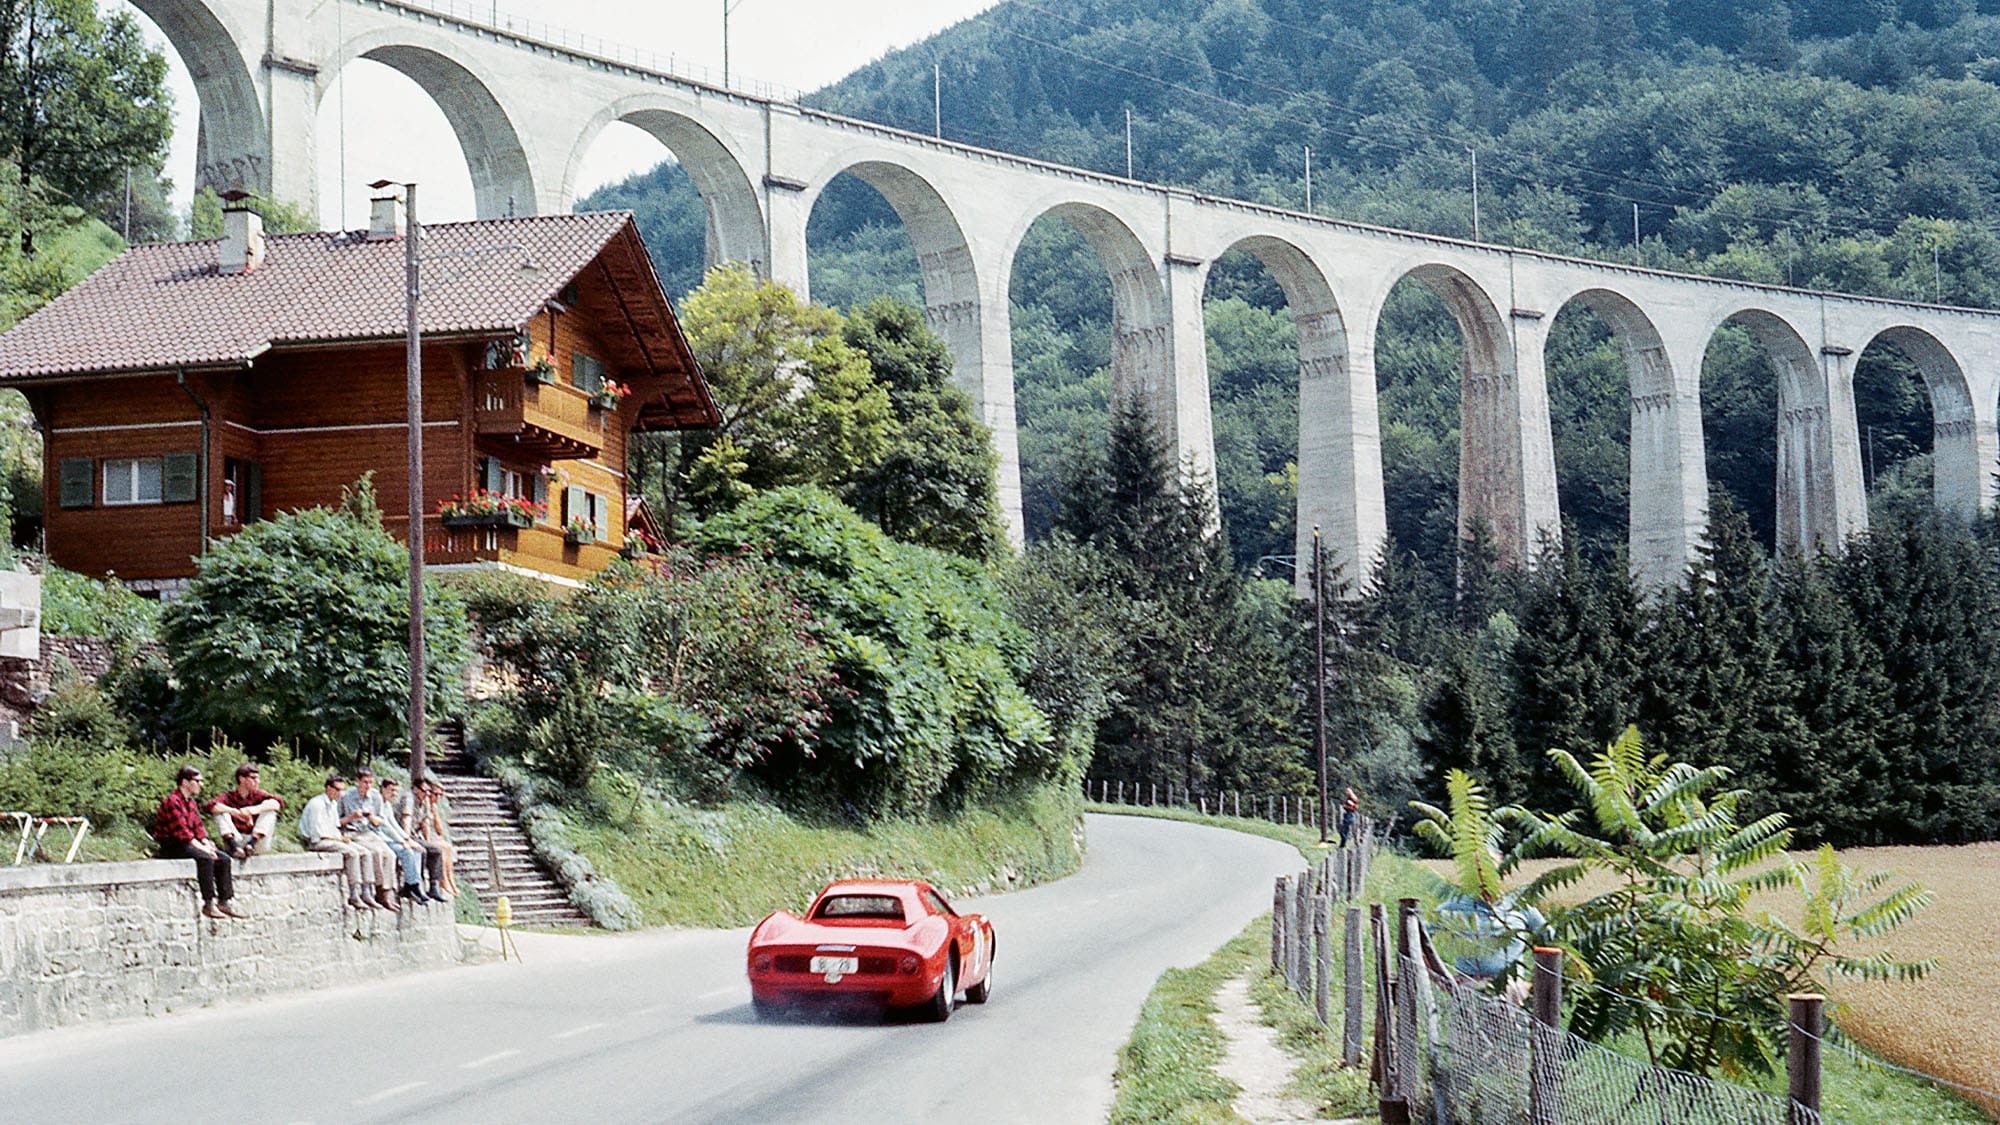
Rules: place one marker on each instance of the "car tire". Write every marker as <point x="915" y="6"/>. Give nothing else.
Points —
<point x="939" y="1007"/>
<point x="981" y="992"/>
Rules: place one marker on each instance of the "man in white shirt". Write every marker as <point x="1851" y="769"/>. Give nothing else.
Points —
<point x="364" y="820"/>
<point x="319" y="828"/>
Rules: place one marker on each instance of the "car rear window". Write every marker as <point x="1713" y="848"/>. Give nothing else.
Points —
<point x="861" y="906"/>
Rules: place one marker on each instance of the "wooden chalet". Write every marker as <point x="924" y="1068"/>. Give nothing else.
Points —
<point x="187" y="389"/>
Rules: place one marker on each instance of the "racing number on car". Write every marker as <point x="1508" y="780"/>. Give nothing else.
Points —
<point x="979" y="948"/>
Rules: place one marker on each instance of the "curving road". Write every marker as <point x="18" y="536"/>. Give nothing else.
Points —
<point x="657" y="1027"/>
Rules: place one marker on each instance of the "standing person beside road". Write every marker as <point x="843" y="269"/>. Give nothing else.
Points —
<point x="1350" y="804"/>
<point x="177" y="826"/>
<point x="246" y="816"/>
<point x="319" y="829"/>
<point x="361" y="815"/>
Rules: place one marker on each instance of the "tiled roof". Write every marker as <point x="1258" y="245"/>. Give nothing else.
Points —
<point x="164" y="306"/>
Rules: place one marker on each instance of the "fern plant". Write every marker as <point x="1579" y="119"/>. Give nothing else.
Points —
<point x="1672" y="952"/>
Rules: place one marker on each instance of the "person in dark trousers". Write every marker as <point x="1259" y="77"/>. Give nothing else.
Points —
<point x="177" y="826"/>
<point x="1349" y="806"/>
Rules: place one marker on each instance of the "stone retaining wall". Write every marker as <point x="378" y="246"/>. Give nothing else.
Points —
<point x="93" y="941"/>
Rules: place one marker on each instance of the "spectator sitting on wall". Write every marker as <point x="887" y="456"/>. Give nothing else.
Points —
<point x="389" y="837"/>
<point x="319" y="830"/>
<point x="402" y="829"/>
<point x="177" y="826"/>
<point x="246" y="816"/>
<point x="434" y="827"/>
<point x="361" y="815"/>
<point x="413" y="809"/>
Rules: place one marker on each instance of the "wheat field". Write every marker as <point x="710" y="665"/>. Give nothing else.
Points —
<point x="1949" y="1023"/>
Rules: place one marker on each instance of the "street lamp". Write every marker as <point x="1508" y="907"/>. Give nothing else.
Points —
<point x="413" y="261"/>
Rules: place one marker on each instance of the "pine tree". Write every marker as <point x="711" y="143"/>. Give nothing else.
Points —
<point x="1924" y="589"/>
<point x="1829" y="780"/>
<point x="1575" y="666"/>
<point x="1716" y="692"/>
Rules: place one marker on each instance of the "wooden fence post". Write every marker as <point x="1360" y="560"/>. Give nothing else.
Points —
<point x="1278" y="924"/>
<point x="1417" y="968"/>
<point x="1302" y="937"/>
<point x="1390" y="1101"/>
<point x="1322" y="957"/>
<point x="1545" y="1039"/>
<point x="1802" y="1055"/>
<point x="1406" y="995"/>
<point x="1356" y="985"/>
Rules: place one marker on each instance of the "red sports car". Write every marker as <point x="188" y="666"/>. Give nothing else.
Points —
<point x="895" y="943"/>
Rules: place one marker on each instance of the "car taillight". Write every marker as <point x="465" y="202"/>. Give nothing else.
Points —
<point x="909" y="965"/>
<point x="761" y="963"/>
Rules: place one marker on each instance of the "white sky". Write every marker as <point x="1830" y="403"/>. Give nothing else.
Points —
<point x="394" y="131"/>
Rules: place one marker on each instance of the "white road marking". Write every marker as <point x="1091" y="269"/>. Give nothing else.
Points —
<point x="719" y="993"/>
<point x="649" y="1010"/>
<point x="576" y="1031"/>
<point x="495" y="1057"/>
<point x="391" y="1092"/>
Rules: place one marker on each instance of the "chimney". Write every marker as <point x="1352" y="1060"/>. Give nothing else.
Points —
<point x="242" y="236"/>
<point x="385" y="217"/>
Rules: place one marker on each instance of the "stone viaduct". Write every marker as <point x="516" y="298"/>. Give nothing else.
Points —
<point x="526" y="105"/>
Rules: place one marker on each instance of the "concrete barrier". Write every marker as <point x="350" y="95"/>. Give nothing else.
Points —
<point x="94" y="941"/>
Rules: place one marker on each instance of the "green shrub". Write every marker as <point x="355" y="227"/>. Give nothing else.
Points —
<point x="76" y="606"/>
<point x="79" y="713"/>
<point x="922" y="642"/>
<point x="298" y="627"/>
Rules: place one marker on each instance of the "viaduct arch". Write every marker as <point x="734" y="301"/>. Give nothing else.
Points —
<point x="526" y="109"/>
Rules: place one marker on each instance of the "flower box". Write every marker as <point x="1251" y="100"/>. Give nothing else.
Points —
<point x="579" y="536"/>
<point x="542" y="372"/>
<point x="604" y="400"/>
<point x="510" y="517"/>
<point x="634" y="549"/>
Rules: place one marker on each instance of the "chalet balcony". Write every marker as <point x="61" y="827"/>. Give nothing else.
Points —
<point x="542" y="547"/>
<point x="526" y="420"/>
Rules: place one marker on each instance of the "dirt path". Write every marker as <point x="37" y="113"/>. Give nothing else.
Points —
<point x="1257" y="1063"/>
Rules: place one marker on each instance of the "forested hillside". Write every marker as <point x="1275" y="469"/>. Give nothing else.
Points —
<point x="1844" y="145"/>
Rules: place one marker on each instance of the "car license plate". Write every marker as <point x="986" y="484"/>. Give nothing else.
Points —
<point x="836" y="967"/>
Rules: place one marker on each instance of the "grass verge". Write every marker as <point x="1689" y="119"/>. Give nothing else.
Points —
<point x="1166" y="1071"/>
<point x="733" y="864"/>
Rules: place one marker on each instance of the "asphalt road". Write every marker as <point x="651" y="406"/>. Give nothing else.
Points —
<point x="657" y="1027"/>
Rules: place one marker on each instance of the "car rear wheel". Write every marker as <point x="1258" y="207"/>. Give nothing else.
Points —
<point x="979" y="993"/>
<point x="940" y="1005"/>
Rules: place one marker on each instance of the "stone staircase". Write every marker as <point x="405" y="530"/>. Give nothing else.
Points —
<point x="481" y="812"/>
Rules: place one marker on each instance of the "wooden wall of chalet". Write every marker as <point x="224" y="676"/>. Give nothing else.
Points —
<point x="314" y="421"/>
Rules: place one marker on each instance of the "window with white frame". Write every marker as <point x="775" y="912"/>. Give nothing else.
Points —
<point x="134" y="480"/>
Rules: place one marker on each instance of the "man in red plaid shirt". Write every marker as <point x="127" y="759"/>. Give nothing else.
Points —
<point x="177" y="826"/>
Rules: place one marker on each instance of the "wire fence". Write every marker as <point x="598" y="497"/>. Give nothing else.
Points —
<point x="1479" y="1059"/>
<point x="1446" y="1049"/>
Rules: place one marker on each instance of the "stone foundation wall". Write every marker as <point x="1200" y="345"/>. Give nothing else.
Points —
<point x="94" y="941"/>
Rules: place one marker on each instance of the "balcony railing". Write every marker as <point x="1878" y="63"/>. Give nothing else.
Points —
<point x="536" y="421"/>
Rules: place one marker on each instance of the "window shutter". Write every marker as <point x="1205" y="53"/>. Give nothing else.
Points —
<point x="575" y="504"/>
<point x="181" y="483"/>
<point x="586" y="373"/>
<point x="79" y="482"/>
<point x="599" y="509"/>
<point x="541" y="488"/>
<point x="491" y="476"/>
<point x="250" y="502"/>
